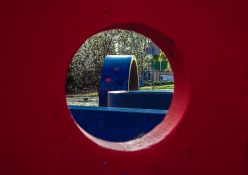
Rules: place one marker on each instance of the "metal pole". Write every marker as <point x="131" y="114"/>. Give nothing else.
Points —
<point x="160" y="64"/>
<point x="160" y="70"/>
<point x="152" y="74"/>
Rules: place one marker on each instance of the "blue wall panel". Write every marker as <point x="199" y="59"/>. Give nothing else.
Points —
<point x="158" y="99"/>
<point x="116" y="124"/>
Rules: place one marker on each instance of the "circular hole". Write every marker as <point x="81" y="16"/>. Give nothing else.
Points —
<point x="134" y="118"/>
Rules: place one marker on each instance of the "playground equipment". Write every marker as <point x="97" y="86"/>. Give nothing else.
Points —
<point x="156" y="99"/>
<point x="129" y="114"/>
<point x="116" y="124"/>
<point x="119" y="72"/>
<point x="204" y="132"/>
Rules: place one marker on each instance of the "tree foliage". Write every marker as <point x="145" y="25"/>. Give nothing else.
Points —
<point x="85" y="69"/>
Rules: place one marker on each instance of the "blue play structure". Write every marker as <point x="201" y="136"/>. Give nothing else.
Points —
<point x="156" y="99"/>
<point x="119" y="72"/>
<point x="124" y="112"/>
<point x="116" y="124"/>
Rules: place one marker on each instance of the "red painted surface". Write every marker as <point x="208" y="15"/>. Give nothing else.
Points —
<point x="207" y="46"/>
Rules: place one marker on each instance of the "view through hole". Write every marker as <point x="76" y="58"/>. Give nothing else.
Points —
<point x="119" y="86"/>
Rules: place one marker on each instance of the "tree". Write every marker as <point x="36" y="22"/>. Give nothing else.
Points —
<point x="85" y="69"/>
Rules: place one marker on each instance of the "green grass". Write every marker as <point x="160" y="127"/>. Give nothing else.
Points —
<point x="163" y="87"/>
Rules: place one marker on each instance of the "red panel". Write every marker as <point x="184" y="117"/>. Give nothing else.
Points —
<point x="207" y="42"/>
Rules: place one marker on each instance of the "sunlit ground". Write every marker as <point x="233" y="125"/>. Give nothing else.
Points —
<point x="91" y="99"/>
